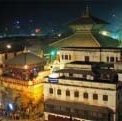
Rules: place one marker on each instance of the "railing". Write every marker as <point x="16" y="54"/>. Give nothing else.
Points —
<point x="19" y="82"/>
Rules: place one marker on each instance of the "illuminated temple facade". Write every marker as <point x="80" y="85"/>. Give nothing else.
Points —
<point x="21" y="80"/>
<point x="86" y="79"/>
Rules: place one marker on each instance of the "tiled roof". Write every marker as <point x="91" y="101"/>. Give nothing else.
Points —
<point x="87" y="20"/>
<point x="25" y="59"/>
<point x="77" y="39"/>
<point x="87" y="39"/>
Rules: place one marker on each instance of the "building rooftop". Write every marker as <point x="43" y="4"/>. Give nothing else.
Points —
<point x="86" y="30"/>
<point x="76" y="40"/>
<point x="81" y="39"/>
<point x="25" y="58"/>
<point x="98" y="72"/>
<point x="87" y="18"/>
<point x="93" y="48"/>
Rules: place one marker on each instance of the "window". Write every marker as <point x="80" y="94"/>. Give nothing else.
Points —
<point x="111" y="59"/>
<point x="67" y="93"/>
<point x="67" y="109"/>
<point x="76" y="94"/>
<point x="15" y="54"/>
<point x="87" y="58"/>
<point x="95" y="96"/>
<point x="6" y="56"/>
<point x="105" y="97"/>
<point x="66" y="57"/>
<point x="69" y="57"/>
<point x="51" y="90"/>
<point x="70" y="74"/>
<point x="62" y="57"/>
<point x="85" y="95"/>
<point x="59" y="92"/>
<point x="84" y="76"/>
<point x="116" y="59"/>
<point x="107" y="59"/>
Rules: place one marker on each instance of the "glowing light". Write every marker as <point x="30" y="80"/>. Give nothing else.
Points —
<point x="30" y="83"/>
<point x="53" y="53"/>
<point x="11" y="106"/>
<point x="37" y="30"/>
<point x="33" y="34"/>
<point x="105" y="33"/>
<point x="17" y="22"/>
<point x="54" y="75"/>
<point x="25" y="66"/>
<point x="59" y="35"/>
<point x="58" y="52"/>
<point x="8" y="46"/>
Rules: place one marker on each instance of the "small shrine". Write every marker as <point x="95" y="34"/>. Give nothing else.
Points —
<point x="23" y="76"/>
<point x="25" y="66"/>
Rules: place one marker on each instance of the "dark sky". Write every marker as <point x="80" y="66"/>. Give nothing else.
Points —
<point x="50" y="12"/>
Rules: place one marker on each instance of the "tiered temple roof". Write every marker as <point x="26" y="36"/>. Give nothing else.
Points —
<point x="85" y="34"/>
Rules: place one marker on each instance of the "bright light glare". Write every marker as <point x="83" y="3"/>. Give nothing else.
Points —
<point x="59" y="35"/>
<point x="25" y="66"/>
<point x="53" y="53"/>
<point x="54" y="75"/>
<point x="58" y="52"/>
<point x="105" y="33"/>
<point x="8" y="46"/>
<point x="10" y="106"/>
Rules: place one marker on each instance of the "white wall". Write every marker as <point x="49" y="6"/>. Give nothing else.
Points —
<point x="100" y="90"/>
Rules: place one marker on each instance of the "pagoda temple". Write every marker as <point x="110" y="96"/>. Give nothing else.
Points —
<point x="23" y="76"/>
<point x="86" y="33"/>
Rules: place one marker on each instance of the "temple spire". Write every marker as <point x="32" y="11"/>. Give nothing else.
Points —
<point x="87" y="10"/>
<point x="25" y="49"/>
<point x="86" y="13"/>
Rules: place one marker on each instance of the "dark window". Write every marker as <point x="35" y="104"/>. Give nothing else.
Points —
<point x="76" y="94"/>
<point x="15" y="54"/>
<point x="107" y="59"/>
<point x="69" y="57"/>
<point x="66" y="57"/>
<point x="87" y="58"/>
<point x="111" y="59"/>
<point x="84" y="76"/>
<point x="85" y="95"/>
<point x="105" y="97"/>
<point x="67" y="109"/>
<point x="116" y="59"/>
<point x="76" y="110"/>
<point x="6" y="56"/>
<point x="70" y="74"/>
<point x="95" y="96"/>
<point x="51" y="90"/>
<point x="49" y="107"/>
<point x="118" y="96"/>
<point x="62" y="57"/>
<point x="59" y="92"/>
<point x="67" y="93"/>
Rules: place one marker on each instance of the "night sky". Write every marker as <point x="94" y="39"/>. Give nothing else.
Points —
<point x="49" y="13"/>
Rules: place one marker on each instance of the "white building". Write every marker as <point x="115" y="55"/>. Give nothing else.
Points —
<point x="84" y="94"/>
<point x="86" y="84"/>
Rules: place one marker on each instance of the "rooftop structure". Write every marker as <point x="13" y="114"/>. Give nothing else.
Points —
<point x="86" y="33"/>
<point x="81" y="91"/>
<point x="23" y="76"/>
